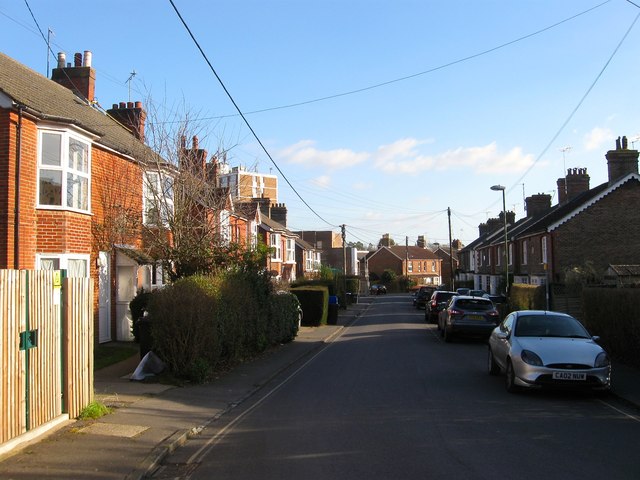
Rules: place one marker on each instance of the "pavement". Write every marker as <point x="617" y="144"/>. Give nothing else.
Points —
<point x="150" y="420"/>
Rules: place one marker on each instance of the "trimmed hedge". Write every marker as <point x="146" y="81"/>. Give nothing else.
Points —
<point x="202" y="324"/>
<point x="614" y="315"/>
<point x="315" y="304"/>
<point x="527" y="297"/>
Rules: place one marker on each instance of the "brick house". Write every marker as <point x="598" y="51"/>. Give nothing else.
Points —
<point x="72" y="183"/>
<point x="595" y="225"/>
<point x="417" y="263"/>
<point x="78" y="185"/>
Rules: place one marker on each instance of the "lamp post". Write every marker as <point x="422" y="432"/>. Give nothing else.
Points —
<point x="500" y="188"/>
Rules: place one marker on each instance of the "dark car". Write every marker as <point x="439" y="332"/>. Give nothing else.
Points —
<point x="377" y="289"/>
<point x="422" y="297"/>
<point x="437" y="302"/>
<point x="468" y="316"/>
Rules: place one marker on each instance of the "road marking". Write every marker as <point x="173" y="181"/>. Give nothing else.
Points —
<point x="628" y="415"/>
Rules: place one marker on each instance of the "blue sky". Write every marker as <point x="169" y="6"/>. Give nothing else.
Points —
<point x="403" y="108"/>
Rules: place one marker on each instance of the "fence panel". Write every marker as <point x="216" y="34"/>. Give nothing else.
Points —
<point x="12" y="382"/>
<point x="45" y="359"/>
<point x="46" y="349"/>
<point x="78" y="341"/>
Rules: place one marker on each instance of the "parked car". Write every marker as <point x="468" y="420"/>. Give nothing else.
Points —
<point x="547" y="349"/>
<point x="468" y="316"/>
<point x="422" y="297"/>
<point x="463" y="291"/>
<point x="477" y="293"/>
<point x="437" y="302"/>
<point x="377" y="289"/>
<point x="496" y="299"/>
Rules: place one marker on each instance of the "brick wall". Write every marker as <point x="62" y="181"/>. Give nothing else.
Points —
<point x="605" y="233"/>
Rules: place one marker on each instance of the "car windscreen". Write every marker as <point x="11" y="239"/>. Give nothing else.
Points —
<point x="474" y="304"/>
<point x="444" y="297"/>
<point x="549" y="326"/>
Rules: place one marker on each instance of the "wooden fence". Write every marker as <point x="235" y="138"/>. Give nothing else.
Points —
<point x="46" y="349"/>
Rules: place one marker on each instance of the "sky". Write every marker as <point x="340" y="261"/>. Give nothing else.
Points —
<point x="377" y="115"/>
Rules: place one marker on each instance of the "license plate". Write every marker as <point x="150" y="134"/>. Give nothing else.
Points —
<point x="572" y="376"/>
<point x="475" y="317"/>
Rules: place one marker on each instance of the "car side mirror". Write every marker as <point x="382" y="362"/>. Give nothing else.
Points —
<point x="596" y="338"/>
<point x="502" y="335"/>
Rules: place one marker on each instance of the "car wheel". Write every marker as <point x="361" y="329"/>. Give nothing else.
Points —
<point x="510" y="382"/>
<point x="494" y="368"/>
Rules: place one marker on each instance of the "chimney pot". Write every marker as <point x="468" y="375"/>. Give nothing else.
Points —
<point x="87" y="58"/>
<point x="123" y="105"/>
<point x="62" y="59"/>
<point x="77" y="60"/>
<point x="138" y="104"/>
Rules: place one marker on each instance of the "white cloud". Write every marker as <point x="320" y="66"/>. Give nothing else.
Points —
<point x="322" y="181"/>
<point x="484" y="159"/>
<point x="305" y="153"/>
<point x="363" y="186"/>
<point x="597" y="137"/>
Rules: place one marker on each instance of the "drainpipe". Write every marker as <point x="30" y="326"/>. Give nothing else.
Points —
<point x="16" y="210"/>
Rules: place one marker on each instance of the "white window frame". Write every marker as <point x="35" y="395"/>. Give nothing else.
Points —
<point x="290" y="251"/>
<point x="65" y="261"/>
<point x="158" y="187"/>
<point x="276" y="244"/>
<point x="409" y="267"/>
<point x="72" y="179"/>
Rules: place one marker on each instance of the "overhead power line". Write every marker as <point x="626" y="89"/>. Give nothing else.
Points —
<point x="244" y="119"/>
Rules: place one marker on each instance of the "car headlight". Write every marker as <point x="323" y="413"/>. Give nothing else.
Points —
<point x="602" y="360"/>
<point x="531" y="358"/>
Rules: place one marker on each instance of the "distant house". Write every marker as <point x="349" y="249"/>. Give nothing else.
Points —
<point x="450" y="261"/>
<point x="419" y="264"/>
<point x="307" y="260"/>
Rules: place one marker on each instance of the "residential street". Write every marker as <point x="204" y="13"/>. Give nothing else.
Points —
<point x="388" y="398"/>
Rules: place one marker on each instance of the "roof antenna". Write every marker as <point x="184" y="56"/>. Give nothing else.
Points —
<point x="131" y="75"/>
<point x="49" y="48"/>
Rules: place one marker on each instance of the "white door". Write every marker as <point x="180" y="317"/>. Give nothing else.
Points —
<point x="125" y="291"/>
<point x="104" y="297"/>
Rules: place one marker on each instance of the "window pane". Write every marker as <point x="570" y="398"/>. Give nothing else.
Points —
<point x="51" y="147"/>
<point x="77" y="268"/>
<point x="49" y="264"/>
<point x="78" y="155"/>
<point x="77" y="192"/>
<point x="50" y="187"/>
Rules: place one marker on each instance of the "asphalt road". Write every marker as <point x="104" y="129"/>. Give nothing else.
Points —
<point x="388" y="399"/>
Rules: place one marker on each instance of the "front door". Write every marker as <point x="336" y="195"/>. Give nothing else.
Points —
<point x="104" y="297"/>
<point x="126" y="282"/>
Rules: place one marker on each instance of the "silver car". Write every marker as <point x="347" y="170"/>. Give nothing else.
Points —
<point x="547" y="349"/>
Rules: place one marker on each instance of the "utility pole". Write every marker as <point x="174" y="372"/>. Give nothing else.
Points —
<point x="344" y="262"/>
<point x="453" y="285"/>
<point x="406" y="255"/>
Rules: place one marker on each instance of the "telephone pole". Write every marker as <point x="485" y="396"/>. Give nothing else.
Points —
<point x="450" y="251"/>
<point x="344" y="262"/>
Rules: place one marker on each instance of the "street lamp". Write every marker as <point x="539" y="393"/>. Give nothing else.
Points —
<point x="500" y="188"/>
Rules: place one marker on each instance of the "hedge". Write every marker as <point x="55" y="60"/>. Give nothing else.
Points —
<point x="315" y="304"/>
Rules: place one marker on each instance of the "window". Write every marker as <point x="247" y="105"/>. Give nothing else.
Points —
<point x="410" y="267"/>
<point x="499" y="255"/>
<point x="433" y="266"/>
<point x="291" y="251"/>
<point x="543" y="246"/>
<point x="276" y="253"/>
<point x="63" y="183"/>
<point x="75" y="265"/>
<point x="157" y="202"/>
<point x="525" y="253"/>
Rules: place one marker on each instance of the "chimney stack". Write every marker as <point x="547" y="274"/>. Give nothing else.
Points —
<point x="538" y="204"/>
<point x="622" y="161"/>
<point x="131" y="115"/>
<point x="279" y="213"/>
<point x="79" y="78"/>
<point x="577" y="182"/>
